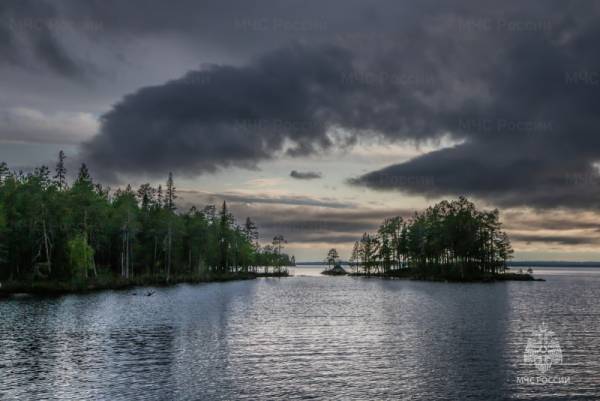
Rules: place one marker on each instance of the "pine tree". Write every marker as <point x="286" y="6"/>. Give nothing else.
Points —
<point x="225" y="221"/>
<point x="278" y="242"/>
<point x="355" y="256"/>
<point x="61" y="172"/>
<point x="250" y="230"/>
<point x="4" y="172"/>
<point x="332" y="257"/>
<point x="83" y="177"/>
<point x="159" y="196"/>
<point x="145" y="194"/>
<point x="170" y="195"/>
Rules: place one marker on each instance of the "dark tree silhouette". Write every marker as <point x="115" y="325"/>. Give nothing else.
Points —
<point x="52" y="231"/>
<point x="61" y="171"/>
<point x="332" y="257"/>
<point x="451" y="238"/>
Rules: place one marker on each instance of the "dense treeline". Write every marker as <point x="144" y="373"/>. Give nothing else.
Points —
<point x="451" y="239"/>
<point x="50" y="230"/>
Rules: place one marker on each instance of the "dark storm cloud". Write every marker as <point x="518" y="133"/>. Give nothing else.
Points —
<point x="38" y="33"/>
<point x="305" y="175"/>
<point x="225" y="116"/>
<point x="286" y="101"/>
<point x="30" y="37"/>
<point x="48" y="49"/>
<point x="509" y="82"/>
<point x="532" y="139"/>
<point x="517" y="83"/>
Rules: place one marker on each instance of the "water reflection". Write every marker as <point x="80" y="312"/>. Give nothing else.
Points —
<point x="299" y="338"/>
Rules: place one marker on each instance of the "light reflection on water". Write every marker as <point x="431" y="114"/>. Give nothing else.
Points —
<point x="302" y="337"/>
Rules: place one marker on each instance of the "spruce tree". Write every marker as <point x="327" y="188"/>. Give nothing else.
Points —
<point x="60" y="178"/>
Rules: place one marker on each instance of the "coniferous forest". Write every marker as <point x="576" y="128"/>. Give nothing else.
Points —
<point x="450" y="240"/>
<point x="83" y="235"/>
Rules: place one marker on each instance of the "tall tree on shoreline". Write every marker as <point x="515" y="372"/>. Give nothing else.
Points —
<point x="61" y="172"/>
<point x="170" y="194"/>
<point x="225" y="221"/>
<point x="332" y="257"/>
<point x="2" y="234"/>
<point x="367" y="252"/>
<point x="170" y="197"/>
<point x="278" y="243"/>
<point x="250" y="230"/>
<point x="355" y="257"/>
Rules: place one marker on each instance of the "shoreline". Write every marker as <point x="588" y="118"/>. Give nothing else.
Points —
<point x="58" y="288"/>
<point x="489" y="278"/>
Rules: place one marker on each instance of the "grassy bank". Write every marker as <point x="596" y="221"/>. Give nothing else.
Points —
<point x="47" y="287"/>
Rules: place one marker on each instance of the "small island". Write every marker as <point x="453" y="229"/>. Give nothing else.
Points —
<point x="334" y="266"/>
<point x="450" y="241"/>
<point x="336" y="270"/>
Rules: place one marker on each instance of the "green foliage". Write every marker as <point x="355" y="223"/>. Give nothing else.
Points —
<point x="2" y="218"/>
<point x="60" y="178"/>
<point x="81" y="257"/>
<point x="59" y="232"/>
<point x="449" y="238"/>
<point x="2" y="235"/>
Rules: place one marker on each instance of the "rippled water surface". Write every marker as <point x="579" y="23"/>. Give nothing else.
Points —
<point x="305" y="337"/>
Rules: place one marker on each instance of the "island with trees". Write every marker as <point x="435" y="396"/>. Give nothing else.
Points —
<point x="61" y="237"/>
<point x="450" y="241"/>
<point x="334" y="265"/>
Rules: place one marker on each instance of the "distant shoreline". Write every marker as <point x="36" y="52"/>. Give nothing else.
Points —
<point x="453" y="279"/>
<point x="552" y="264"/>
<point x="509" y="264"/>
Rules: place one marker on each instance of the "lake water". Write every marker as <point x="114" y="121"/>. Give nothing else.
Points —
<point x="305" y="337"/>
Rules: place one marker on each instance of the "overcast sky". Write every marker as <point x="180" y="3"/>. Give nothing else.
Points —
<point x="320" y="118"/>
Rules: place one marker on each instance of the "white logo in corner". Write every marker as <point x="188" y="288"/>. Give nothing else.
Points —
<point x="543" y="349"/>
